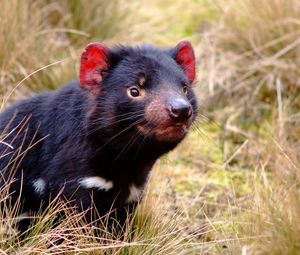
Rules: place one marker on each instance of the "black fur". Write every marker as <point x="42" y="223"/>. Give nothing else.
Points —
<point x="70" y="134"/>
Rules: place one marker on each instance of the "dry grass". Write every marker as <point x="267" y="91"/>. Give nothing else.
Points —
<point x="40" y="40"/>
<point x="274" y="215"/>
<point x="250" y="72"/>
<point x="148" y="234"/>
<point x="250" y="55"/>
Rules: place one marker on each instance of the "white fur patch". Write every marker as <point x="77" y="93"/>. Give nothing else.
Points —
<point x="22" y="216"/>
<point x="96" y="182"/>
<point x="39" y="186"/>
<point x="135" y="194"/>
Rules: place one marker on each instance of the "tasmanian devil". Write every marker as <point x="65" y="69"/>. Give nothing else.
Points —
<point x="94" y="141"/>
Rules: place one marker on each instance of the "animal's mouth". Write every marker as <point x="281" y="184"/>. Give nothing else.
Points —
<point x="171" y="133"/>
<point x="167" y="133"/>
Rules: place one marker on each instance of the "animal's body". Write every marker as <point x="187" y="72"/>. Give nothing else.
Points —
<point x="97" y="139"/>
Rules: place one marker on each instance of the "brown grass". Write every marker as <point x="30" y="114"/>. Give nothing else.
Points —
<point x="250" y="55"/>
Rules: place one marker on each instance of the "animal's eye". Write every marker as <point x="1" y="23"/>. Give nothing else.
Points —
<point x="133" y="92"/>
<point x="185" y="89"/>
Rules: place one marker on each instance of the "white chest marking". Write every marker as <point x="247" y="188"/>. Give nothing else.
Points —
<point x="96" y="182"/>
<point x="39" y="186"/>
<point x="135" y="194"/>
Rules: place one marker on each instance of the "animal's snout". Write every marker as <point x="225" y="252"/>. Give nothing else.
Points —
<point x="180" y="110"/>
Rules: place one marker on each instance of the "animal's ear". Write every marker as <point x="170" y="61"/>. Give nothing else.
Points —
<point x="185" y="57"/>
<point x="93" y="66"/>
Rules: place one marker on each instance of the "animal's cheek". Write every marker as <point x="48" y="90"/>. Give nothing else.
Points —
<point x="156" y="114"/>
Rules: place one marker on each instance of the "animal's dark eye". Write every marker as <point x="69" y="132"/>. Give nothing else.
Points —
<point x="185" y="89"/>
<point x="134" y="92"/>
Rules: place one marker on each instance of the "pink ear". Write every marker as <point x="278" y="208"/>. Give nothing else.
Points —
<point x="93" y="66"/>
<point x="186" y="59"/>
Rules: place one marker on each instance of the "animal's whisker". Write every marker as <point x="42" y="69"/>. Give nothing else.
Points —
<point x="100" y="120"/>
<point x="132" y="140"/>
<point x="121" y="132"/>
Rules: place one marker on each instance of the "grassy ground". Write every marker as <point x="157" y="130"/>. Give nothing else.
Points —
<point x="232" y="187"/>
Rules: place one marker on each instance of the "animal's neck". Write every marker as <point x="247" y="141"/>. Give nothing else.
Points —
<point x="126" y="159"/>
<point x="123" y="166"/>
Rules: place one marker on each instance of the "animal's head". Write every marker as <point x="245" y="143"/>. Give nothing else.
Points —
<point x="141" y="91"/>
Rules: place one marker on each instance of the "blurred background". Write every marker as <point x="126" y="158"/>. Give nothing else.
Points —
<point x="234" y="182"/>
